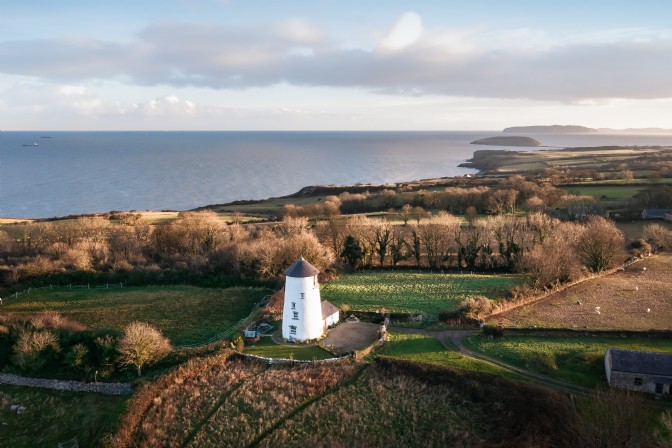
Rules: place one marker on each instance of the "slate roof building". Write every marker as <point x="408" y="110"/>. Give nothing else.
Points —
<point x="639" y="371"/>
<point x="304" y="315"/>
<point x="657" y="213"/>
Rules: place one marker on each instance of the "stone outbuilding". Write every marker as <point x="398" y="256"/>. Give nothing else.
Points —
<point x="330" y="314"/>
<point x="657" y="213"/>
<point x="639" y="371"/>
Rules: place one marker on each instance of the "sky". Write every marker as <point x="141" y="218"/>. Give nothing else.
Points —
<point x="334" y="65"/>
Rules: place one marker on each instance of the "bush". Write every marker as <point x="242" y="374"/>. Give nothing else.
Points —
<point x="478" y="307"/>
<point x="496" y="331"/>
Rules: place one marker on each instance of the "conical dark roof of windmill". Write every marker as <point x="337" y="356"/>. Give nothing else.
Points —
<point x="301" y="269"/>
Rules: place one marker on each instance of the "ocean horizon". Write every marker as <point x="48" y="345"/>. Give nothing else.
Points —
<point x="60" y="173"/>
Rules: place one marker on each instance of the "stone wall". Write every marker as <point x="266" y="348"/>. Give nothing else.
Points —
<point x="626" y="380"/>
<point x="72" y="386"/>
<point x="272" y="361"/>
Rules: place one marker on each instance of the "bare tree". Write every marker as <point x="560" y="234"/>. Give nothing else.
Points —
<point x="406" y="213"/>
<point x="437" y="236"/>
<point x="398" y="246"/>
<point x="381" y="234"/>
<point x="30" y="346"/>
<point x="142" y="344"/>
<point x="599" y="243"/>
<point x="658" y="236"/>
<point x="554" y="260"/>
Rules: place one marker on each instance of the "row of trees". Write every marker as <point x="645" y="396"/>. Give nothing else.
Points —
<point x="509" y="195"/>
<point x="195" y="242"/>
<point x="547" y="249"/>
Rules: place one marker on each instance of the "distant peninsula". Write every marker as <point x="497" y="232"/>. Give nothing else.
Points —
<point x="507" y="141"/>
<point x="553" y="129"/>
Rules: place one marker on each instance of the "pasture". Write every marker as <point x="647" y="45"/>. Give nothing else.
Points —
<point x="579" y="359"/>
<point x="185" y="314"/>
<point x="637" y="298"/>
<point x="413" y="292"/>
<point x="53" y="417"/>
<point x="609" y="195"/>
<point x="425" y="349"/>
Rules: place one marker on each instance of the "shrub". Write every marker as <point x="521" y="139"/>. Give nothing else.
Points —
<point x="478" y="307"/>
<point x="31" y="349"/>
<point x="142" y="344"/>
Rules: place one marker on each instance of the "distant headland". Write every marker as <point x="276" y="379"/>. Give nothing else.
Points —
<point x="575" y="129"/>
<point x="553" y="129"/>
<point x="507" y="141"/>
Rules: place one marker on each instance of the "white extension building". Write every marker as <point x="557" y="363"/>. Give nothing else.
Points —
<point x="303" y="313"/>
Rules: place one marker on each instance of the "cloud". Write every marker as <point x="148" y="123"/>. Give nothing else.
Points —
<point x="409" y="60"/>
<point x="79" y="100"/>
<point x="404" y="32"/>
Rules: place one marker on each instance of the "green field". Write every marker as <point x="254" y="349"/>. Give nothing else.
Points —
<point x="579" y="360"/>
<point x="185" y="314"/>
<point x="269" y="349"/>
<point x="53" y="417"/>
<point x="421" y="348"/>
<point x="412" y="291"/>
<point x="609" y="196"/>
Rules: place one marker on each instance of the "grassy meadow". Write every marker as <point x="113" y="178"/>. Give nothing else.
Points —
<point x="609" y="195"/>
<point x="413" y="291"/>
<point x="269" y="349"/>
<point x="426" y="349"/>
<point x="53" y="417"/>
<point x="185" y="314"/>
<point x="637" y="298"/>
<point x="579" y="360"/>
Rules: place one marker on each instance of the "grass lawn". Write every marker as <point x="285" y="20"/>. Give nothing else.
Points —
<point x="52" y="417"/>
<point x="412" y="291"/>
<point x="269" y="349"/>
<point x="421" y="348"/>
<point x="185" y="314"/>
<point x="579" y="360"/>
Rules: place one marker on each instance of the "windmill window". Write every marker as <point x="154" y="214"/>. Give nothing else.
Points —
<point x="293" y="305"/>
<point x="296" y="315"/>
<point x="292" y="329"/>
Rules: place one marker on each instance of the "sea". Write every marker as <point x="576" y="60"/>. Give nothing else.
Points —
<point x="46" y="174"/>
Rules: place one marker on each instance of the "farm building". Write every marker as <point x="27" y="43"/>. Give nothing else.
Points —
<point x="252" y="333"/>
<point x="304" y="315"/>
<point x="639" y="371"/>
<point x="330" y="314"/>
<point x="657" y="213"/>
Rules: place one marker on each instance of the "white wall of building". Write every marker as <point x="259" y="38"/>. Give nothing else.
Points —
<point x="302" y="312"/>
<point x="331" y="320"/>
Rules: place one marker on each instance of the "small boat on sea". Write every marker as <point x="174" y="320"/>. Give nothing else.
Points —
<point x="28" y="144"/>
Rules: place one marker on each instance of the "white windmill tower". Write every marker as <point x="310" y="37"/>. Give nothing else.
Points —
<point x="302" y="313"/>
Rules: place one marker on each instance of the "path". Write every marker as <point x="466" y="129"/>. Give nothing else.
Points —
<point x="456" y="337"/>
